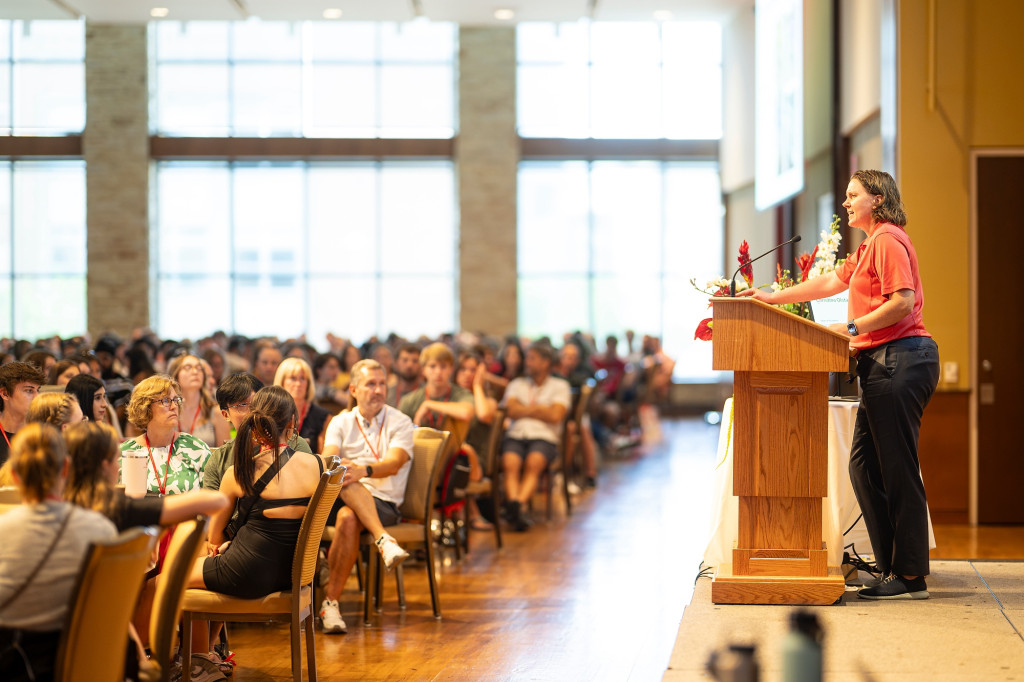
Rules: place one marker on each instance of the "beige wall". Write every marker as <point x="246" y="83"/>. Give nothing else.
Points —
<point x="978" y="103"/>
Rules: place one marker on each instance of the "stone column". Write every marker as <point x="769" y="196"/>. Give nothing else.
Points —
<point x="486" y="159"/>
<point x="115" y="146"/>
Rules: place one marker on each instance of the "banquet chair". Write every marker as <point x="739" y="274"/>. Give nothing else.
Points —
<point x="95" y="632"/>
<point x="572" y="437"/>
<point x="10" y="495"/>
<point x="414" y="530"/>
<point x="490" y="485"/>
<point x="294" y="605"/>
<point x="457" y="429"/>
<point x="170" y="592"/>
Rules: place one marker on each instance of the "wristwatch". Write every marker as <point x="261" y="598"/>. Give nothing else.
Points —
<point x="851" y="327"/>
<point x="369" y="471"/>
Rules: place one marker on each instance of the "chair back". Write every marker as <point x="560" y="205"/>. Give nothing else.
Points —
<point x="95" y="631"/>
<point x="457" y="429"/>
<point x="307" y="547"/>
<point x="10" y="495"/>
<point x="491" y="463"/>
<point x="170" y="591"/>
<point x="583" y="403"/>
<point x="428" y="446"/>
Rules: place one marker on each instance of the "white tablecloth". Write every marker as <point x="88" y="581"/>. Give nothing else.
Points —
<point x="840" y="510"/>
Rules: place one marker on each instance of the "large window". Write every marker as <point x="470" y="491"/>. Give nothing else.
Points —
<point x="355" y="249"/>
<point x="304" y="79"/>
<point x="42" y="77"/>
<point x="608" y="246"/>
<point x="620" y="80"/>
<point x="42" y="248"/>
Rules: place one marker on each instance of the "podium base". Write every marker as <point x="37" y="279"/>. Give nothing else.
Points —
<point x="727" y="588"/>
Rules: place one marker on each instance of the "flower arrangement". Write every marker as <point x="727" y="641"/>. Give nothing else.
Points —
<point x="818" y="262"/>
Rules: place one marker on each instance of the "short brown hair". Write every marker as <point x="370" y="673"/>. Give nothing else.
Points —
<point x="140" y="407"/>
<point x="890" y="209"/>
<point x="14" y="373"/>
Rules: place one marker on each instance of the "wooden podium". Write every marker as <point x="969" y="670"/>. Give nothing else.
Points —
<point x="780" y="453"/>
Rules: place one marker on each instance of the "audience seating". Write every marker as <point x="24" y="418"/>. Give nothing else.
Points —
<point x="294" y="606"/>
<point x="565" y="465"/>
<point x="457" y="428"/>
<point x="170" y="592"/>
<point x="414" y="530"/>
<point x="95" y="634"/>
<point x="490" y="485"/>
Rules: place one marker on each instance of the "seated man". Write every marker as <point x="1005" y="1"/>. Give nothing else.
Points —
<point x="537" y="405"/>
<point x="438" y="398"/>
<point x="374" y="441"/>
<point x="19" y="384"/>
<point x="407" y="369"/>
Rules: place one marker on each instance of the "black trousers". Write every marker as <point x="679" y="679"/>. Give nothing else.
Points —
<point x="897" y="380"/>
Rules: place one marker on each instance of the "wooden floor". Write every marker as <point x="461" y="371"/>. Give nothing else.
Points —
<point x="595" y="596"/>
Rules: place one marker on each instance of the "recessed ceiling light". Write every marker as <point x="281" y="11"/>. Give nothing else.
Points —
<point x="663" y="15"/>
<point x="159" y="12"/>
<point x="504" y="14"/>
<point x="332" y="13"/>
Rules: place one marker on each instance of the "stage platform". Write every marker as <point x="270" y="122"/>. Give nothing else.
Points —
<point x="970" y="629"/>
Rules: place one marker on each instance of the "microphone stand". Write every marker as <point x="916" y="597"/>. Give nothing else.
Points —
<point x="732" y="282"/>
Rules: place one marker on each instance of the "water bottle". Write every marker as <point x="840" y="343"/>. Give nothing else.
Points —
<point x="801" y="649"/>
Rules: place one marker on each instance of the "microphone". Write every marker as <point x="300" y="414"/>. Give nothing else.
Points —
<point x="732" y="282"/>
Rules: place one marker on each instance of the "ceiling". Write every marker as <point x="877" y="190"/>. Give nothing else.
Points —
<point x="470" y="12"/>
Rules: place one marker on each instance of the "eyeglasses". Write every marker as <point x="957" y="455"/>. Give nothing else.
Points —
<point x="167" y="402"/>
<point x="239" y="406"/>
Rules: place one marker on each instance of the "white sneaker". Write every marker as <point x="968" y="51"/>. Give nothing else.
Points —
<point x="390" y="550"/>
<point x="331" y="618"/>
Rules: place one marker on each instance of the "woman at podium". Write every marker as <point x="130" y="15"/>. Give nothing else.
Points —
<point x="898" y="366"/>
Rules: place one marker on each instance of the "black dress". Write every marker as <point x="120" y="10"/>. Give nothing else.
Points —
<point x="259" y="559"/>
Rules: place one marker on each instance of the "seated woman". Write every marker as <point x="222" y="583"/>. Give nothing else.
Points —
<point x="62" y="373"/>
<point x="198" y="415"/>
<point x="59" y="410"/>
<point x="295" y="376"/>
<point x="45" y="540"/>
<point x="176" y="459"/>
<point x="95" y="460"/>
<point x="92" y="398"/>
<point x="275" y="484"/>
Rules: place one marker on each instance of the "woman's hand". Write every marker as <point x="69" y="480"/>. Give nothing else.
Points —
<point x="763" y="296"/>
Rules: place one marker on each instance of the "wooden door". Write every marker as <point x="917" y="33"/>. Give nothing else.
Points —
<point x="1000" y="310"/>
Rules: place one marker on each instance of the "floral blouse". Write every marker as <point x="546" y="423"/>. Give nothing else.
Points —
<point x="182" y="472"/>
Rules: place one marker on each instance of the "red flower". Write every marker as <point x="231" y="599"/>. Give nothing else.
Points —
<point x="805" y="262"/>
<point x="703" y="330"/>
<point x="746" y="269"/>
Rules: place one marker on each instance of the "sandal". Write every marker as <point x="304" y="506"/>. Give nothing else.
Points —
<point x="481" y="524"/>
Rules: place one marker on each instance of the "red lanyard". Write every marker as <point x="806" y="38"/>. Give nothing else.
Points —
<point x="380" y="434"/>
<point x="6" y="438"/>
<point x="167" y="467"/>
<point x="435" y="419"/>
<point x="302" y="419"/>
<point x="195" y="416"/>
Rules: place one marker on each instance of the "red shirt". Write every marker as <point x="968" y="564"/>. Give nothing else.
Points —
<point x="885" y="263"/>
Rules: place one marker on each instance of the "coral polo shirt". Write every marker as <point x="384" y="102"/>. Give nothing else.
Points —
<point x="885" y="263"/>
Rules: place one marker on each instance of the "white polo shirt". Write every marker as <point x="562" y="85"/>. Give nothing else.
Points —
<point x="368" y="442"/>
<point x="554" y="391"/>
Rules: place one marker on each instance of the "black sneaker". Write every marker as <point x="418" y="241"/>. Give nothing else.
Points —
<point x="896" y="587"/>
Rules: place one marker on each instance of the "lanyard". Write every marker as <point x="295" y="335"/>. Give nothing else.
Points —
<point x="436" y="419"/>
<point x="302" y="419"/>
<point x="2" y="429"/>
<point x="195" y="416"/>
<point x="376" y="452"/>
<point x="167" y="467"/>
